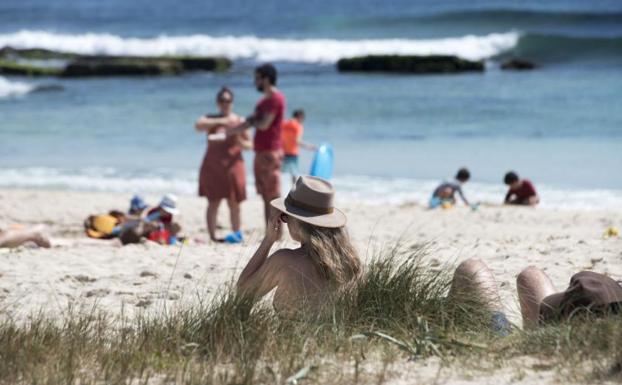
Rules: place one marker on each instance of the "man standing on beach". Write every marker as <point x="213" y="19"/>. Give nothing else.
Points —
<point x="267" y="120"/>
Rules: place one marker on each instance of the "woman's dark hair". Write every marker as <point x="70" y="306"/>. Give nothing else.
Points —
<point x="224" y="90"/>
<point x="510" y="178"/>
<point x="267" y="71"/>
<point x="463" y="174"/>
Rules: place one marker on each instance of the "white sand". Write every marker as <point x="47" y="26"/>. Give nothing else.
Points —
<point x="84" y="272"/>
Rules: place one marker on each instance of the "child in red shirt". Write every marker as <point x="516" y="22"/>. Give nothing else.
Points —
<point x="521" y="191"/>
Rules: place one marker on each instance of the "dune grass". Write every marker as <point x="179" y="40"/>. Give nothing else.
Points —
<point x="399" y="311"/>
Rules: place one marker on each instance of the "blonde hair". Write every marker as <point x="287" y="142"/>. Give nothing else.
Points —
<point x="332" y="252"/>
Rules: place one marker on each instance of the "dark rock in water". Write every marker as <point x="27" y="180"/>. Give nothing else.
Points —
<point x="40" y="62"/>
<point x="114" y="66"/>
<point x="13" y="68"/>
<point x="205" y="63"/>
<point x="123" y="65"/>
<point x="409" y="64"/>
<point x="517" y="64"/>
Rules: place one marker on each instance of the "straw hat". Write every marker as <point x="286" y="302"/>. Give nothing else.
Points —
<point x="587" y="289"/>
<point x="311" y="200"/>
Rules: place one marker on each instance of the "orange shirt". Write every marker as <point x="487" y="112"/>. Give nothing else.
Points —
<point x="290" y="132"/>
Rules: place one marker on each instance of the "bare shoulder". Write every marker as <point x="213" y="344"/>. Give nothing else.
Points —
<point x="284" y="256"/>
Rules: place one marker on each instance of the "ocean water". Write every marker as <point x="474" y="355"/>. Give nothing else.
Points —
<point x="395" y="136"/>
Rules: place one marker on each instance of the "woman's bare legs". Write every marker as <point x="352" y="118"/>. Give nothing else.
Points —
<point x="533" y="285"/>
<point x="212" y="214"/>
<point x="473" y="276"/>
<point x="17" y="237"/>
<point x="234" y="214"/>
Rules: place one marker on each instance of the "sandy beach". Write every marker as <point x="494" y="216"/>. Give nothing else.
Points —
<point x="82" y="271"/>
<point x="87" y="273"/>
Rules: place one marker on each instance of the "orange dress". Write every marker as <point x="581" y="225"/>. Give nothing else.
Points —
<point x="222" y="174"/>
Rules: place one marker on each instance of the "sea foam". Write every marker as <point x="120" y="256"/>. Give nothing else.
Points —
<point x="351" y="188"/>
<point x="10" y="89"/>
<point x="262" y="49"/>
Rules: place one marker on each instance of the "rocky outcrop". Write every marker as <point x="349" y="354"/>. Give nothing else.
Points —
<point x="217" y="64"/>
<point x="409" y="64"/>
<point x="35" y="62"/>
<point x="11" y="53"/>
<point x="102" y="66"/>
<point x="23" y="69"/>
<point x="517" y="64"/>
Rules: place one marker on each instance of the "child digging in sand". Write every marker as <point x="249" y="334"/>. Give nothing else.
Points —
<point x="521" y="191"/>
<point x="444" y="194"/>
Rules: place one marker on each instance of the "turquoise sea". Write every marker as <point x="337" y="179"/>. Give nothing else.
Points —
<point x="394" y="136"/>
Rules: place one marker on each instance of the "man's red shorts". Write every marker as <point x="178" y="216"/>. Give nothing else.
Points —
<point x="267" y="168"/>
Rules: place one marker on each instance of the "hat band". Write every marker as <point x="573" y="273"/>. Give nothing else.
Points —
<point x="301" y="205"/>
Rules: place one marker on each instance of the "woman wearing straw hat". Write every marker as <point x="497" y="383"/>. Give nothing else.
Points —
<point x="325" y="260"/>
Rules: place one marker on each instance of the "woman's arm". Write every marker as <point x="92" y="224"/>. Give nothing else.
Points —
<point x="206" y="123"/>
<point x="260" y="274"/>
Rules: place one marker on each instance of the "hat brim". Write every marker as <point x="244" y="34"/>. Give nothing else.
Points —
<point x="335" y="219"/>
<point x="551" y="306"/>
<point x="170" y="210"/>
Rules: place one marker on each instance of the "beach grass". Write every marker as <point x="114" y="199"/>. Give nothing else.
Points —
<point x="398" y="313"/>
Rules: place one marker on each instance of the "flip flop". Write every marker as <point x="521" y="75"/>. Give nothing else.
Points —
<point x="235" y="237"/>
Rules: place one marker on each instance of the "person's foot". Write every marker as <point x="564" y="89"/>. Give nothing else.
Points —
<point x="235" y="237"/>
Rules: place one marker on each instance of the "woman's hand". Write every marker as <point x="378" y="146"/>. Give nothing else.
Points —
<point x="273" y="229"/>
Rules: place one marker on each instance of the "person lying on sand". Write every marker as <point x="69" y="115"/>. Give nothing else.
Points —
<point x="156" y="224"/>
<point x="325" y="261"/>
<point x="445" y="193"/>
<point x="540" y="304"/>
<point x="19" y="235"/>
<point x="587" y="292"/>
<point x="521" y="191"/>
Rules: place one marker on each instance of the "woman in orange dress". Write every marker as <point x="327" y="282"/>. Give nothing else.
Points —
<point x="223" y="175"/>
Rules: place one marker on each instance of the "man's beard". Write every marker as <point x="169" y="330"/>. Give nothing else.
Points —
<point x="259" y="88"/>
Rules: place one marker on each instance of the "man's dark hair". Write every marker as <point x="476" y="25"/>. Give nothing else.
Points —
<point x="463" y="174"/>
<point x="267" y="71"/>
<point x="298" y="113"/>
<point x="510" y="178"/>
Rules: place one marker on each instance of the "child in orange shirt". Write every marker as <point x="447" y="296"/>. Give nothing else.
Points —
<point x="292" y="131"/>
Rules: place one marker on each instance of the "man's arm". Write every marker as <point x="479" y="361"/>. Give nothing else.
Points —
<point x="264" y="122"/>
<point x="242" y="127"/>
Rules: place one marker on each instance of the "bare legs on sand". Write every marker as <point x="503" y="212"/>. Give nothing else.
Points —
<point x="17" y="237"/>
<point x="473" y="276"/>
<point x="533" y="285"/>
<point x="212" y="214"/>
